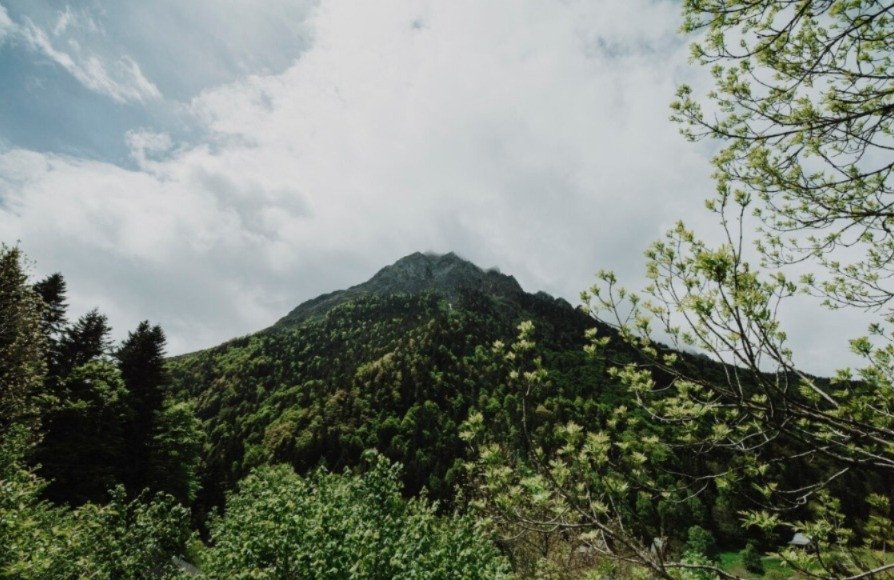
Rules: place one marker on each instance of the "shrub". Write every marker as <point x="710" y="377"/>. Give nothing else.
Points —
<point x="281" y="525"/>
<point x="701" y="541"/>
<point x="751" y="559"/>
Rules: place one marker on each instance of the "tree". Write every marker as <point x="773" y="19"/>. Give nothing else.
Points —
<point x="52" y="291"/>
<point x="751" y="559"/>
<point x="22" y="365"/>
<point x="141" y="361"/>
<point x="121" y="539"/>
<point x="53" y="324"/>
<point x="803" y="102"/>
<point x="700" y="541"/>
<point x="762" y="416"/>
<point x="83" y="450"/>
<point x="84" y="341"/>
<point x="22" y="369"/>
<point x="578" y="484"/>
<point x="175" y="451"/>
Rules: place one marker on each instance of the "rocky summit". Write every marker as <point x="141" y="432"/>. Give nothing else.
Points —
<point x="447" y="275"/>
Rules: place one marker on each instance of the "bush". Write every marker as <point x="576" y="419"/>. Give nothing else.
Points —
<point x="281" y="525"/>
<point x="122" y="539"/>
<point x="751" y="559"/>
<point x="694" y="559"/>
<point x="701" y="541"/>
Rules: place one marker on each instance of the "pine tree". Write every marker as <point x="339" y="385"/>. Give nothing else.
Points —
<point x="21" y="343"/>
<point x="84" y="341"/>
<point x="141" y="361"/>
<point x="82" y="449"/>
<point x="52" y="290"/>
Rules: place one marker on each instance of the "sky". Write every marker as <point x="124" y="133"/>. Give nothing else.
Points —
<point x="209" y="165"/>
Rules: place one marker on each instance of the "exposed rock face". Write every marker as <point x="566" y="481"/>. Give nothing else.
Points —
<point x="445" y="274"/>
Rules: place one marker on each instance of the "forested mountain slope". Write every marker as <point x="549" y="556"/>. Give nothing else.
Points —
<point x="398" y="363"/>
<point x="394" y="364"/>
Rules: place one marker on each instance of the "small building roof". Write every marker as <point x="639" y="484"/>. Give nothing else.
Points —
<point x="800" y="539"/>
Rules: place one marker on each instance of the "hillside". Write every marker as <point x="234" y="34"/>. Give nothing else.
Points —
<point x="394" y="363"/>
<point x="399" y="362"/>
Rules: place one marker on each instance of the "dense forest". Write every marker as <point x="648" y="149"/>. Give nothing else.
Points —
<point x="437" y="421"/>
<point x="394" y="369"/>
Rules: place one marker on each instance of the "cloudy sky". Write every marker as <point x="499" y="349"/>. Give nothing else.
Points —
<point x="208" y="165"/>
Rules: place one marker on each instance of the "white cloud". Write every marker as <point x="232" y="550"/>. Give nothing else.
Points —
<point x="146" y="145"/>
<point x="64" y="20"/>
<point x="120" y="78"/>
<point x="6" y="24"/>
<point x="529" y="135"/>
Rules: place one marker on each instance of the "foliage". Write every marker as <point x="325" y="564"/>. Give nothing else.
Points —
<point x="398" y="373"/>
<point x="83" y="448"/>
<point x="280" y="525"/>
<point x="141" y="361"/>
<point x="751" y="559"/>
<point x="103" y="413"/>
<point x="694" y="566"/>
<point x="700" y="541"/>
<point x="803" y="102"/>
<point x="85" y="340"/>
<point x="110" y="419"/>
<point x="603" y="489"/>
<point x="120" y="539"/>
<point x="52" y="291"/>
<point x="801" y="446"/>
<point x="803" y="105"/>
<point x="175" y="451"/>
<point x="22" y="366"/>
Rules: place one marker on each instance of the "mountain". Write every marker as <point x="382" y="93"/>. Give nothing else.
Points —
<point x="395" y="363"/>
<point x="447" y="275"/>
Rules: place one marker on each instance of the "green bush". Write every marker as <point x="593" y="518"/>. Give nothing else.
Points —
<point x="751" y="559"/>
<point x="121" y="539"/>
<point x="281" y="525"/>
<point x="701" y="541"/>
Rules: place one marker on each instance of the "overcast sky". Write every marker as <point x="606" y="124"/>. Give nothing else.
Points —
<point x="208" y="165"/>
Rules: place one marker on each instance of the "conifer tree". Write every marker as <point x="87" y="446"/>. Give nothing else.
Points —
<point x="141" y="361"/>
<point x="21" y="343"/>
<point x="52" y="290"/>
<point x="83" y="450"/>
<point x="53" y="324"/>
<point x="84" y="341"/>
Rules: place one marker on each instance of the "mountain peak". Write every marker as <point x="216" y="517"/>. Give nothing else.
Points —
<point x="447" y="274"/>
<point x="419" y="272"/>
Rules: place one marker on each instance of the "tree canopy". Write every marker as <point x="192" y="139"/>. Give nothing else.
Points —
<point x="281" y="525"/>
<point x="803" y="103"/>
